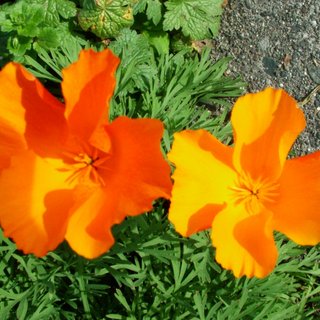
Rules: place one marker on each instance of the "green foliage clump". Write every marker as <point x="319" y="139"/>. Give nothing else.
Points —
<point x="175" y="88"/>
<point x="192" y="19"/>
<point x="152" y="273"/>
<point x="31" y="25"/>
<point x="29" y="28"/>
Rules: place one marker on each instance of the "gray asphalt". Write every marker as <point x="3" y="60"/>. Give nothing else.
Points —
<point x="277" y="43"/>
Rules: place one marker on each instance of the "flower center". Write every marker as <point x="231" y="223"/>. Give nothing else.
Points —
<point x="86" y="166"/>
<point x="85" y="159"/>
<point x="255" y="194"/>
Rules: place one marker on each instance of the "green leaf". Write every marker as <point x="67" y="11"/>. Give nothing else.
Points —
<point x="22" y="309"/>
<point x="19" y="45"/>
<point x="159" y="40"/>
<point x="28" y="25"/>
<point x="26" y="19"/>
<point x="152" y="8"/>
<point x="54" y="9"/>
<point x="66" y="9"/>
<point x="196" y="18"/>
<point x="105" y="18"/>
<point x="48" y="38"/>
<point x="136" y="69"/>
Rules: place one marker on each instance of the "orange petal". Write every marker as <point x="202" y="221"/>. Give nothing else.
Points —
<point x="297" y="213"/>
<point x="265" y="126"/>
<point x="34" y="203"/>
<point x="138" y="168"/>
<point x="29" y="114"/>
<point x="202" y="178"/>
<point x="82" y="241"/>
<point x="12" y="123"/>
<point x="87" y="87"/>
<point x="244" y="243"/>
<point x="136" y="174"/>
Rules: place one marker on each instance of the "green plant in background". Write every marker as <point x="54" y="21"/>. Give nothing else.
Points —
<point x="176" y="24"/>
<point x="193" y="18"/>
<point x="27" y="27"/>
<point x="187" y="20"/>
<point x="197" y="19"/>
<point x="31" y="25"/>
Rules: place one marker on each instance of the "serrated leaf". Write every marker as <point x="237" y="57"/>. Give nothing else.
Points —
<point x="66" y="9"/>
<point x="195" y="18"/>
<point x="105" y="18"/>
<point x="152" y="8"/>
<point x="26" y="19"/>
<point x="54" y="9"/>
<point x="48" y="38"/>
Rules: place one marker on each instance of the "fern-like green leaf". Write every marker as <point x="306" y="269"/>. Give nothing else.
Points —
<point x="136" y="70"/>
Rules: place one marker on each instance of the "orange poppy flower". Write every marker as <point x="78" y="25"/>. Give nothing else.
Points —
<point x="66" y="172"/>
<point x="246" y="192"/>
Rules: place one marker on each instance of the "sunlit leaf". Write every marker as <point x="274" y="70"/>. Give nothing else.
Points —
<point x="105" y="18"/>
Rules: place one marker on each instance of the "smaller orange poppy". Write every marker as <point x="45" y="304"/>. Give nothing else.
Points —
<point x="247" y="191"/>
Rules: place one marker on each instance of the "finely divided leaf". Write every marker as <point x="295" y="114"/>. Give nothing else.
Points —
<point x="136" y="69"/>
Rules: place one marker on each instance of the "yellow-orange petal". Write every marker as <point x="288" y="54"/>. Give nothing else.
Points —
<point x="297" y="213"/>
<point x="244" y="243"/>
<point x="87" y="86"/>
<point x="135" y="175"/>
<point x="265" y="126"/>
<point x="202" y="179"/>
<point x="34" y="203"/>
<point x="30" y="115"/>
<point x="86" y="243"/>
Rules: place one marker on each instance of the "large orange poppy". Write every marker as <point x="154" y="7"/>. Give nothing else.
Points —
<point x="65" y="171"/>
<point x="246" y="192"/>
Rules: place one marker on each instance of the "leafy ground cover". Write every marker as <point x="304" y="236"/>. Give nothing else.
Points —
<point x="151" y="272"/>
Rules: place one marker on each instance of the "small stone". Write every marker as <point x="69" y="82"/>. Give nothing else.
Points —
<point x="264" y="43"/>
<point x="314" y="73"/>
<point x="270" y="66"/>
<point x="249" y="3"/>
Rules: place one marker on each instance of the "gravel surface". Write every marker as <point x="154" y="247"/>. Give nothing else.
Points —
<point x="277" y="43"/>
